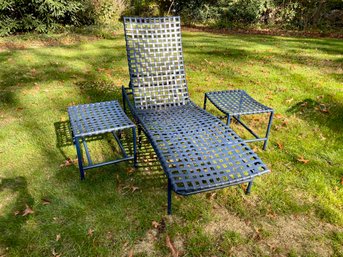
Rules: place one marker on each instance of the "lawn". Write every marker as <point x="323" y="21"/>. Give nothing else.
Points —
<point x="45" y="210"/>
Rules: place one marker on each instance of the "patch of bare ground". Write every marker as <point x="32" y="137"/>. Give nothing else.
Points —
<point x="146" y="245"/>
<point x="61" y="40"/>
<point x="275" y="236"/>
<point x="223" y="220"/>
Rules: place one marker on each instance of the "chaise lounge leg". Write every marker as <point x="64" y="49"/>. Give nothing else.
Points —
<point x="247" y="191"/>
<point x="268" y="130"/>
<point x="169" y="211"/>
<point x="205" y="99"/>
<point x="135" y="163"/>
<point x="228" y="120"/>
<point x="139" y="136"/>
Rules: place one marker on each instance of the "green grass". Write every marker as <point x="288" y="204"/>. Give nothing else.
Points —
<point x="295" y="210"/>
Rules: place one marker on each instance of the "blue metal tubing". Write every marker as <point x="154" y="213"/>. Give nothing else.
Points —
<point x="79" y="158"/>
<point x="87" y="152"/>
<point x="90" y="163"/>
<point x="107" y="163"/>
<point x="247" y="128"/>
<point x="255" y="140"/>
<point x="205" y="100"/>
<point x="247" y="191"/>
<point x="135" y="163"/>
<point x="268" y="130"/>
<point x="228" y="119"/>
<point x="120" y="145"/>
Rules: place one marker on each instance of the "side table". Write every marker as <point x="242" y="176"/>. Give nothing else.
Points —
<point x="99" y="118"/>
<point x="234" y="103"/>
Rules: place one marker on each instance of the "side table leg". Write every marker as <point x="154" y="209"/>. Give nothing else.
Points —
<point x="79" y="158"/>
<point x="268" y="130"/>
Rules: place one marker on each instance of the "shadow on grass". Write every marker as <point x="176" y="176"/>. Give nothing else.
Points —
<point x="317" y="112"/>
<point x="16" y="198"/>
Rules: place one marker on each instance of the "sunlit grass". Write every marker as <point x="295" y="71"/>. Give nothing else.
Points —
<point x="297" y="209"/>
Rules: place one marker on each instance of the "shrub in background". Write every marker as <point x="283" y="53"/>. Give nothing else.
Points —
<point x="44" y="16"/>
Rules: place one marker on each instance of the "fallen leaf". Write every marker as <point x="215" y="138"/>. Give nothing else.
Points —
<point x="155" y="224"/>
<point x="54" y="253"/>
<point x="46" y="201"/>
<point x="278" y="115"/>
<point x="20" y="109"/>
<point x="171" y="247"/>
<point x="134" y="188"/>
<point x="162" y="226"/>
<point x="342" y="181"/>
<point x="58" y="237"/>
<point x="302" y="159"/>
<point x="304" y="104"/>
<point x="279" y="145"/>
<point x="68" y="162"/>
<point x="130" y="170"/>
<point x="16" y="213"/>
<point x="130" y="253"/>
<point x="288" y="101"/>
<point x="211" y="195"/>
<point x="27" y="211"/>
<point x="90" y="232"/>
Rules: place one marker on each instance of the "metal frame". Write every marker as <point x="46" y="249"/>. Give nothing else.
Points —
<point x="234" y="103"/>
<point x="198" y="153"/>
<point x="99" y="118"/>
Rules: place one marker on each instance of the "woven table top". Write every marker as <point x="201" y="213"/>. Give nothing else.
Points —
<point x="236" y="102"/>
<point x="98" y="118"/>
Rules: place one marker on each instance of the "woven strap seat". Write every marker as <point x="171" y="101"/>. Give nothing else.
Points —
<point x="236" y="102"/>
<point x="198" y="152"/>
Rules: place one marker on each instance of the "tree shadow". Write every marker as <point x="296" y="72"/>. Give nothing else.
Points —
<point x="315" y="111"/>
<point x="16" y="197"/>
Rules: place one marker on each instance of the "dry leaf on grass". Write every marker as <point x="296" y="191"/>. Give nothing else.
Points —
<point x="171" y="247"/>
<point x="155" y="224"/>
<point x="46" y="201"/>
<point x="279" y="145"/>
<point x="288" y="101"/>
<point x="27" y="210"/>
<point x="68" y="162"/>
<point x="130" y="253"/>
<point x="302" y="160"/>
<point x="54" y="253"/>
<point x="342" y="181"/>
<point x="90" y="232"/>
<point x="58" y="237"/>
<point x="278" y="115"/>
<point x="16" y="213"/>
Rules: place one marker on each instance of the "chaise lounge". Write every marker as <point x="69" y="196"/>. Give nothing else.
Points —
<point x="198" y="152"/>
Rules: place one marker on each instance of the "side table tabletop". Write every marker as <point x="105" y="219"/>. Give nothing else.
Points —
<point x="234" y="103"/>
<point x="95" y="119"/>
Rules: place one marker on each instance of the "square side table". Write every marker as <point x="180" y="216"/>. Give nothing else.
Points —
<point x="234" y="103"/>
<point x="99" y="118"/>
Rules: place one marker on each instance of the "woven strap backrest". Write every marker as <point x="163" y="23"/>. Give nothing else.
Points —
<point x="156" y="66"/>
